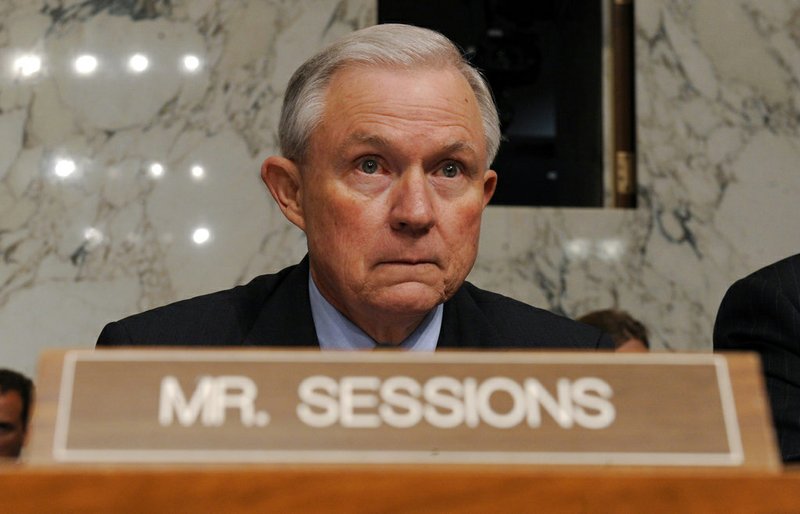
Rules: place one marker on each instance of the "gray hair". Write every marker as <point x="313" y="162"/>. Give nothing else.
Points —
<point x="379" y="45"/>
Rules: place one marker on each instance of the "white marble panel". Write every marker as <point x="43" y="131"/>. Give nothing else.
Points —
<point x="111" y="167"/>
<point x="717" y="88"/>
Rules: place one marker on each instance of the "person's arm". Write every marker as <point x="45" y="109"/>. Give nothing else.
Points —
<point x="762" y="313"/>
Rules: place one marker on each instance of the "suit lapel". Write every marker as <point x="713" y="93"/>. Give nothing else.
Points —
<point x="285" y="317"/>
<point x="464" y="325"/>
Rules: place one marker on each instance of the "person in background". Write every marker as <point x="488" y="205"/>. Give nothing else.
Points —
<point x="628" y="333"/>
<point x="387" y="137"/>
<point x="761" y="313"/>
<point x="16" y="400"/>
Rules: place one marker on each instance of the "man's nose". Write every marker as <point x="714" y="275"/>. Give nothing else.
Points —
<point x="412" y="209"/>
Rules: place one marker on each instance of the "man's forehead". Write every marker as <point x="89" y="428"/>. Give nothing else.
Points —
<point x="385" y="107"/>
<point x="451" y="83"/>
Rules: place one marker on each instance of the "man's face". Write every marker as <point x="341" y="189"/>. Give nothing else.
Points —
<point x="393" y="189"/>
<point x="12" y="433"/>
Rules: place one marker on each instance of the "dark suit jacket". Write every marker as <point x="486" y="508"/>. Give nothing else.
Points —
<point x="761" y="312"/>
<point x="275" y="310"/>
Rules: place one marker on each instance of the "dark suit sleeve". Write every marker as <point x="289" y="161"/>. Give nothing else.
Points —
<point x="114" y="334"/>
<point x="762" y="313"/>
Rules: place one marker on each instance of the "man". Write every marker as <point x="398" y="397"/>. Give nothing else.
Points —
<point x="761" y="312"/>
<point x="386" y="139"/>
<point x="628" y="333"/>
<point x="16" y="397"/>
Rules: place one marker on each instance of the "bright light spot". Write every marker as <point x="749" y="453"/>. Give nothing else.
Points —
<point x="138" y="63"/>
<point x="156" y="169"/>
<point x="578" y="248"/>
<point x="201" y="235"/>
<point x="198" y="172"/>
<point x="191" y="62"/>
<point x="85" y="64"/>
<point x="610" y="249"/>
<point x="65" y="167"/>
<point x="93" y="236"/>
<point x="27" y="65"/>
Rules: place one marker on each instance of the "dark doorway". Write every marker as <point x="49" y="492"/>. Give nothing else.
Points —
<point x="543" y="61"/>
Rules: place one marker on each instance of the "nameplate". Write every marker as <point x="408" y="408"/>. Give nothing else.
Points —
<point x="395" y="407"/>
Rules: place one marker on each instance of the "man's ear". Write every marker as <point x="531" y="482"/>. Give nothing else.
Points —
<point x="282" y="177"/>
<point x="489" y="185"/>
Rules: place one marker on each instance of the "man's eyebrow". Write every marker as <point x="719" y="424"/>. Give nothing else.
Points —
<point x="459" y="146"/>
<point x="368" y="139"/>
<point x="381" y="142"/>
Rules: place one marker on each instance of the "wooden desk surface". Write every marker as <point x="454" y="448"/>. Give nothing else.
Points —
<point x="26" y="489"/>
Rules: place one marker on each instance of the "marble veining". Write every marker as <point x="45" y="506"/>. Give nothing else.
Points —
<point x="717" y="109"/>
<point x="131" y="135"/>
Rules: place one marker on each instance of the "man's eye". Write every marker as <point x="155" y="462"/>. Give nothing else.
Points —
<point x="450" y="170"/>
<point x="369" y="166"/>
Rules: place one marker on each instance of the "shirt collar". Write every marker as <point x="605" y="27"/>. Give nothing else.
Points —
<point x="335" y="332"/>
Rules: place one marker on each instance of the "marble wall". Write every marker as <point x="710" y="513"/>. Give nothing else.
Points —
<point x="131" y="135"/>
<point x="718" y="108"/>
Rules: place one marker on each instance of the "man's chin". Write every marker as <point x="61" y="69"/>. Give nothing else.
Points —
<point x="409" y="298"/>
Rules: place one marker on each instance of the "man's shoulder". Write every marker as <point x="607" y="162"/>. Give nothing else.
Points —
<point x="218" y="318"/>
<point x="501" y="305"/>
<point x="517" y="324"/>
<point x="762" y="301"/>
<point x="778" y="271"/>
<point x="239" y="298"/>
<point x="781" y="277"/>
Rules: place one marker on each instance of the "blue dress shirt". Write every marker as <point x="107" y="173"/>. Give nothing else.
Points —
<point x="335" y="332"/>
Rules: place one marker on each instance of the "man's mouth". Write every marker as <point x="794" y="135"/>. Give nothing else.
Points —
<point x="410" y="262"/>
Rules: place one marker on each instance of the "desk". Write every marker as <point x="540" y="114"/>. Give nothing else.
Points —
<point x="25" y="489"/>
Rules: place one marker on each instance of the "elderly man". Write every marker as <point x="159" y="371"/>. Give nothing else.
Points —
<point x="16" y="397"/>
<point x="386" y="138"/>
